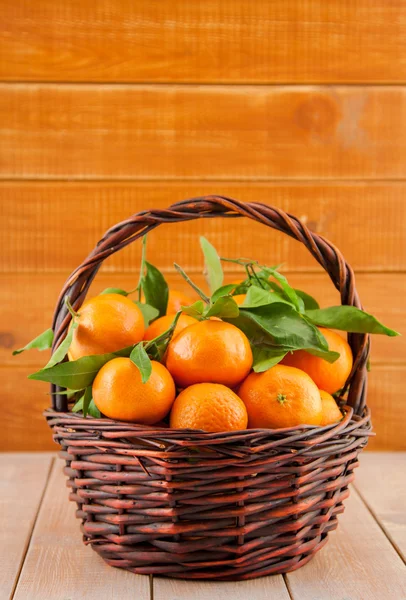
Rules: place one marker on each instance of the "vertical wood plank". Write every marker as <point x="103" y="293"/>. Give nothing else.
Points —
<point x="358" y="562"/>
<point x="22" y="481"/>
<point x="59" y="566"/>
<point x="381" y="483"/>
<point x="256" y="589"/>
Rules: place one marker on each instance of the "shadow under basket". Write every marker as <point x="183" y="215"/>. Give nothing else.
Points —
<point x="220" y="506"/>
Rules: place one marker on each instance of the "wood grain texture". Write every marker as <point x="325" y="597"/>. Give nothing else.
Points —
<point x="358" y="562"/>
<point x="23" y="479"/>
<point x="64" y="567"/>
<point x="231" y="41"/>
<point x="256" y="589"/>
<point x="22" y="402"/>
<point x="194" y="132"/>
<point x="51" y="226"/>
<point x="28" y="301"/>
<point x="387" y="500"/>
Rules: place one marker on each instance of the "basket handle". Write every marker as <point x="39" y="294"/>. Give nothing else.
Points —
<point x="135" y="227"/>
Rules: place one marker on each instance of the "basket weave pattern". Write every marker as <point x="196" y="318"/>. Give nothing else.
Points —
<point x="223" y="506"/>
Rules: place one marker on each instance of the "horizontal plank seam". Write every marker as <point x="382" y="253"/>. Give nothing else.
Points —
<point x="291" y="272"/>
<point x="288" y="182"/>
<point x="203" y="84"/>
<point x="379" y="523"/>
<point x="31" y="533"/>
<point x="7" y="178"/>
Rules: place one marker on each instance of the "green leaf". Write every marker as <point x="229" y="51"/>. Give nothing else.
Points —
<point x="224" y="290"/>
<point x="194" y="310"/>
<point x="309" y="302"/>
<point x="156" y="348"/>
<point x="83" y="402"/>
<point x="142" y="361"/>
<point x="79" y="405"/>
<point x="150" y="313"/>
<point x="77" y="374"/>
<point x="348" y="318"/>
<point x="279" y="324"/>
<point x="87" y="406"/>
<point x="266" y="356"/>
<point x="63" y="347"/>
<point x="114" y="291"/>
<point x="87" y="397"/>
<point x="212" y="261"/>
<point x="224" y="307"/>
<point x="289" y="292"/>
<point x="41" y="342"/>
<point x="155" y="288"/>
<point x="256" y="296"/>
<point x="70" y="394"/>
<point x="93" y="410"/>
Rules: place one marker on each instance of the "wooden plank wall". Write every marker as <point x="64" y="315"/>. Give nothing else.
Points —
<point x="111" y="107"/>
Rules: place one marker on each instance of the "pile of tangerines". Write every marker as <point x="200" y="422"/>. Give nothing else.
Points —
<point x="205" y="380"/>
<point x="255" y="353"/>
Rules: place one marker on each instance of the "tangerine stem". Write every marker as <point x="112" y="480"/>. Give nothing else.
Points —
<point x="281" y="398"/>
<point x="70" y="308"/>
<point x="202" y="295"/>
<point x="142" y="268"/>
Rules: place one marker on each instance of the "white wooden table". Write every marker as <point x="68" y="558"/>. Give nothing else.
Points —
<point x="42" y="556"/>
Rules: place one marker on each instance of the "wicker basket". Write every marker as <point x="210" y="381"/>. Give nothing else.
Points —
<point x="195" y="505"/>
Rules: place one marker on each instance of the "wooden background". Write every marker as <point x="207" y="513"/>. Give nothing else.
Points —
<point x="111" y="107"/>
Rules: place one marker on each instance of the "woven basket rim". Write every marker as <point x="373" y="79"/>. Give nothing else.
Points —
<point x="196" y="437"/>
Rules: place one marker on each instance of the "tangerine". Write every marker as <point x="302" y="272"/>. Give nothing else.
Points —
<point x="239" y="298"/>
<point x="281" y="397"/>
<point x="331" y="412"/>
<point x="209" y="351"/>
<point x="330" y="377"/>
<point x="107" y="323"/>
<point x="162" y="324"/>
<point x="119" y="393"/>
<point x="209" y="406"/>
<point x="176" y="300"/>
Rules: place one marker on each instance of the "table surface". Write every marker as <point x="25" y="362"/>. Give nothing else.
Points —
<point x="42" y="556"/>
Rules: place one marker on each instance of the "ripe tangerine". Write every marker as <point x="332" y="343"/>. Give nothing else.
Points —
<point x="281" y="397"/>
<point x="209" y="351"/>
<point x="327" y="376"/>
<point x="208" y="406"/>
<point x="162" y="324"/>
<point x="331" y="412"/>
<point x="107" y="323"/>
<point x="119" y="393"/>
<point x="176" y="300"/>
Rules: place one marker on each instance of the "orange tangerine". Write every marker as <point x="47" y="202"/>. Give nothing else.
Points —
<point x="107" y="323"/>
<point x="119" y="393"/>
<point x="208" y="406"/>
<point x="281" y="397"/>
<point x="209" y="351"/>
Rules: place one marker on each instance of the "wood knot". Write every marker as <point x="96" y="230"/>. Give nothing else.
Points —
<point x="6" y="340"/>
<point x="318" y="114"/>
